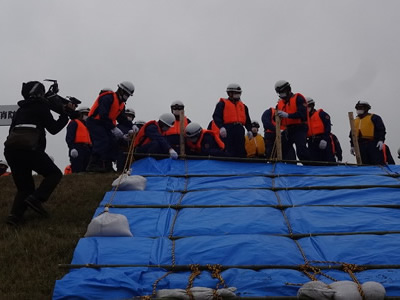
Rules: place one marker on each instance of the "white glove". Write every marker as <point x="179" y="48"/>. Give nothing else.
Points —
<point x="135" y="129"/>
<point x="249" y="135"/>
<point x="379" y="145"/>
<point x="173" y="154"/>
<point x="74" y="153"/>
<point x="117" y="132"/>
<point x="282" y="114"/>
<point x="352" y="152"/>
<point x="222" y="132"/>
<point x="323" y="144"/>
<point x="126" y="137"/>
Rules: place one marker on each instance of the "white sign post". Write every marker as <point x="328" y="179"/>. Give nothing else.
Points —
<point x="6" y="114"/>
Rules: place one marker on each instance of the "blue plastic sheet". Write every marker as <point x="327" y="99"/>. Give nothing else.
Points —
<point x="259" y="220"/>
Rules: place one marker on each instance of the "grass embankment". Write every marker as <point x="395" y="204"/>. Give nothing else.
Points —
<point x="30" y="254"/>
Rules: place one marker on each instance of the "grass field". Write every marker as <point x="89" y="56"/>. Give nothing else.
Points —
<point x="30" y="254"/>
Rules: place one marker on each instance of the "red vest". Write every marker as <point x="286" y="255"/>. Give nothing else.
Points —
<point x="176" y="129"/>
<point x="82" y="133"/>
<point x="315" y="124"/>
<point x="290" y="108"/>
<point x="234" y="113"/>
<point x="141" y="138"/>
<point x="68" y="170"/>
<point x="115" y="108"/>
<point x="196" y="147"/>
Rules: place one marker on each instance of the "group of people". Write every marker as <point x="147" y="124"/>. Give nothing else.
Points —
<point x="102" y="135"/>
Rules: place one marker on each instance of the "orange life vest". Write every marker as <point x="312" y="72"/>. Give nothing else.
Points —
<point x="82" y="133"/>
<point x="290" y="108"/>
<point x="141" y="138"/>
<point x="273" y="110"/>
<point x="176" y="129"/>
<point x="196" y="147"/>
<point x="315" y="125"/>
<point x="115" y="108"/>
<point x="234" y="112"/>
<point x="68" y="170"/>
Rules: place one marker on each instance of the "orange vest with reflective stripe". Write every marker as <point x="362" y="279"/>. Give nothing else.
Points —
<point x="82" y="133"/>
<point x="234" y="112"/>
<point x="176" y="129"/>
<point x="196" y="147"/>
<point x="290" y="108"/>
<point x="365" y="127"/>
<point x="115" y="108"/>
<point x="141" y="138"/>
<point x="315" y="125"/>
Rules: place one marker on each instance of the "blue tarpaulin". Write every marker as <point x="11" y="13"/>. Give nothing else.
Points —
<point x="260" y="223"/>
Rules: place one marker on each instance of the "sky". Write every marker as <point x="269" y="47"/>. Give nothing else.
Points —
<point x="337" y="52"/>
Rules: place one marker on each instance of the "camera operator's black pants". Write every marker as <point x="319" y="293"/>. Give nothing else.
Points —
<point x="22" y="163"/>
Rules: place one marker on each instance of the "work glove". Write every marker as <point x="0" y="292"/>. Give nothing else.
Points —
<point x="173" y="154"/>
<point x="222" y="132"/>
<point x="323" y="144"/>
<point x="283" y="114"/>
<point x="352" y="152"/>
<point x="249" y="135"/>
<point x="135" y="129"/>
<point x="379" y="145"/>
<point x="74" y="153"/>
<point x="117" y="132"/>
<point x="126" y="137"/>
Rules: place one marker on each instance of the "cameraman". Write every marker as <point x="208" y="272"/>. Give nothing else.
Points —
<point x="24" y="150"/>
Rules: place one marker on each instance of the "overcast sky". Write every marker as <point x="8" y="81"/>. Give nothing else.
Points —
<point x="337" y="52"/>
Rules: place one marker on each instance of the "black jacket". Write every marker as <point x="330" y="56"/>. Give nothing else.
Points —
<point x="36" y="111"/>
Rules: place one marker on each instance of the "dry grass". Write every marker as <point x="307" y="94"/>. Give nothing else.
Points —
<point x="29" y="255"/>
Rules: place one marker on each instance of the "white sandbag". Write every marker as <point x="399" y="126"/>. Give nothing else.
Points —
<point x="373" y="290"/>
<point x="315" y="290"/>
<point x="200" y="293"/>
<point x="108" y="224"/>
<point x="130" y="182"/>
<point x="345" y="290"/>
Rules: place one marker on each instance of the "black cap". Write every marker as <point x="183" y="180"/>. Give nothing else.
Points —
<point x="74" y="100"/>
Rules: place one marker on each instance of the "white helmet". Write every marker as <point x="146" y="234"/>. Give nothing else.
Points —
<point x="192" y="129"/>
<point x="83" y="109"/>
<point x="130" y="111"/>
<point x="127" y="86"/>
<point x="281" y="85"/>
<point x="3" y="162"/>
<point x="178" y="105"/>
<point x="234" y="87"/>
<point x="310" y="101"/>
<point x="168" y="119"/>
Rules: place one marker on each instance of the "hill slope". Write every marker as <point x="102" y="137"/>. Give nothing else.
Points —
<point x="33" y="251"/>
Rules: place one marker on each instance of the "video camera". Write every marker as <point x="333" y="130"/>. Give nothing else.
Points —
<point x="58" y="103"/>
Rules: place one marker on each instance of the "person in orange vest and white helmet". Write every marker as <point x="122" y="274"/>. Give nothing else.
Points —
<point x="203" y="142"/>
<point x="231" y="116"/>
<point x="108" y="110"/>
<point x="173" y="134"/>
<point x="79" y="142"/>
<point x="318" y="135"/>
<point x="370" y="132"/>
<point x="151" y="137"/>
<point x="292" y="109"/>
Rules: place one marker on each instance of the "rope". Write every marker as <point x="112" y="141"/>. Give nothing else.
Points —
<point x="128" y="161"/>
<point x="195" y="272"/>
